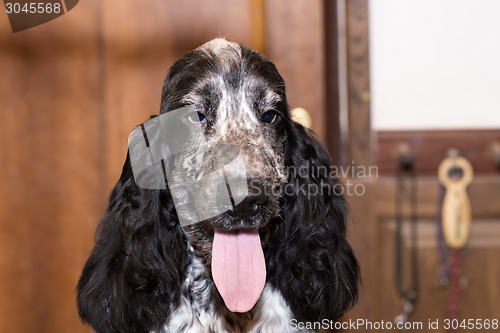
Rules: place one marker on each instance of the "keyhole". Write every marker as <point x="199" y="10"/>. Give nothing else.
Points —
<point x="455" y="173"/>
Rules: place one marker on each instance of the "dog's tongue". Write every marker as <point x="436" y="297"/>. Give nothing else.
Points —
<point x="238" y="268"/>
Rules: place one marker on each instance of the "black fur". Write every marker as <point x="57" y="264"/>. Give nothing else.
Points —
<point x="308" y="257"/>
<point x="131" y="281"/>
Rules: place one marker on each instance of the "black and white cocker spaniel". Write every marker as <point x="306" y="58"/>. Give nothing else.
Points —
<point x="277" y="256"/>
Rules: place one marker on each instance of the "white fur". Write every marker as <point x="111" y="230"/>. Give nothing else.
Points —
<point x="271" y="313"/>
<point x="218" y="45"/>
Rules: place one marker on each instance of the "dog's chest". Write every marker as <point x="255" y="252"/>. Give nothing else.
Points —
<point x="197" y="311"/>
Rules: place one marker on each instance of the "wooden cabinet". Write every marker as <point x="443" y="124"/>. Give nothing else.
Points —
<point x="372" y="235"/>
<point x="372" y="232"/>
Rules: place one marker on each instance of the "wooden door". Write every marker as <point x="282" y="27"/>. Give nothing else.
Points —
<point x="72" y="89"/>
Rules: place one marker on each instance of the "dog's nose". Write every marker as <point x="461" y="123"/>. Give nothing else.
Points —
<point x="251" y="205"/>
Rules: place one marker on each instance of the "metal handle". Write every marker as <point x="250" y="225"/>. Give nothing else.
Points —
<point x="302" y="116"/>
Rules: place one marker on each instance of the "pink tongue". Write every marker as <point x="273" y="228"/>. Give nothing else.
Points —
<point x="238" y="268"/>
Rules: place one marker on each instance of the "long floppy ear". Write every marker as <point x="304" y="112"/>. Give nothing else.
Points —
<point x="309" y="260"/>
<point x="131" y="282"/>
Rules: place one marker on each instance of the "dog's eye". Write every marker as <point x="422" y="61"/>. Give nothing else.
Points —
<point x="269" y="117"/>
<point x="197" y="118"/>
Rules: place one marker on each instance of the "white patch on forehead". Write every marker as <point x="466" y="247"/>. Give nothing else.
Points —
<point x="246" y="108"/>
<point x="224" y="106"/>
<point x="234" y="111"/>
<point x="227" y="52"/>
<point x="219" y="45"/>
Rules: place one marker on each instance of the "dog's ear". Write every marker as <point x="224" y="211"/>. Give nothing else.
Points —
<point x="309" y="260"/>
<point x="132" y="279"/>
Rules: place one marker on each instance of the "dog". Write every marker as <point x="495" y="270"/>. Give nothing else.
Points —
<point x="276" y="256"/>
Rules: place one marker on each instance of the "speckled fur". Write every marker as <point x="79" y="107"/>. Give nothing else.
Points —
<point x="198" y="313"/>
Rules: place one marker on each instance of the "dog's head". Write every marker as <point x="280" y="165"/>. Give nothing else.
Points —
<point x="237" y="98"/>
<point x="279" y="217"/>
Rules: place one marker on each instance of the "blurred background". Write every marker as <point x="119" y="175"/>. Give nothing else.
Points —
<point x="390" y="86"/>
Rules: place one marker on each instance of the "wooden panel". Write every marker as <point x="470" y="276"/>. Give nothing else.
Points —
<point x="429" y="149"/>
<point x="478" y="268"/>
<point x="358" y="69"/>
<point x="332" y="87"/>
<point x="371" y="234"/>
<point x="361" y="234"/>
<point x="432" y="300"/>
<point x="51" y="192"/>
<point x="296" y="46"/>
<point x="259" y="26"/>
<point x="483" y="192"/>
